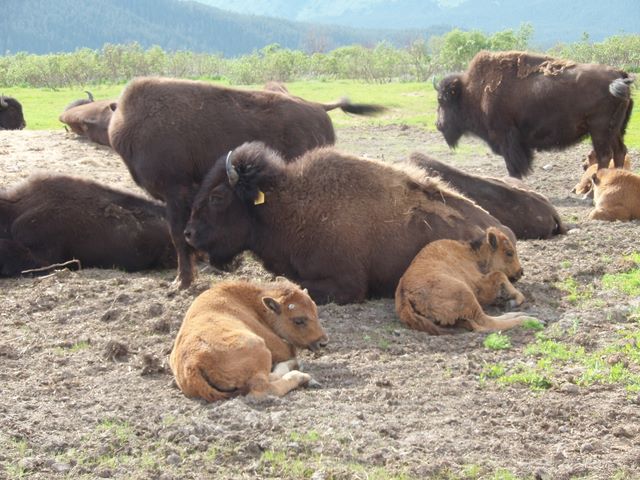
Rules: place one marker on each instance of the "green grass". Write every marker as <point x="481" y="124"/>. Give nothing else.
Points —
<point x="497" y="341"/>
<point x="574" y="292"/>
<point x="626" y="282"/>
<point x="411" y="103"/>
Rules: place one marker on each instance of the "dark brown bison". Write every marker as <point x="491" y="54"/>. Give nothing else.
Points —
<point x="81" y="101"/>
<point x="344" y="227"/>
<point x="519" y="102"/>
<point x="11" y="117"/>
<point x="170" y="132"/>
<point x="53" y="219"/>
<point x="527" y="213"/>
<point x="90" y="120"/>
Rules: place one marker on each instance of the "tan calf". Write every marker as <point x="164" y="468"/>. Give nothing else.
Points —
<point x="590" y="166"/>
<point x="449" y="281"/>
<point x="236" y="333"/>
<point x="616" y="195"/>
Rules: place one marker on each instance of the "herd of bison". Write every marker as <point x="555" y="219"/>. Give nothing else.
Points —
<point x="232" y="171"/>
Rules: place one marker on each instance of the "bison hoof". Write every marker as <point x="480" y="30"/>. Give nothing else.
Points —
<point x="298" y="377"/>
<point x="313" y="383"/>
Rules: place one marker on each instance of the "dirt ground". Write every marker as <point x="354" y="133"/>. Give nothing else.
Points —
<point x="85" y="390"/>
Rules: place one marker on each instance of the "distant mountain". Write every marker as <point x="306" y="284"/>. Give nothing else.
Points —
<point x="553" y="20"/>
<point x="44" y="26"/>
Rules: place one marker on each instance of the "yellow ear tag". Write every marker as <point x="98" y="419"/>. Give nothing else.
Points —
<point x="260" y="199"/>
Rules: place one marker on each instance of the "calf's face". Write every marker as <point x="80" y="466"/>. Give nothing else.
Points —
<point x="501" y="255"/>
<point x="294" y="317"/>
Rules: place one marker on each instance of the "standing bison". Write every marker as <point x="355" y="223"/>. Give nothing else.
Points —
<point x="519" y="102"/>
<point x="343" y="227"/>
<point x="170" y="133"/>
<point x="11" y="117"/>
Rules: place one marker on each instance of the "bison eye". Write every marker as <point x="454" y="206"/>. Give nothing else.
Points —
<point x="509" y="253"/>
<point x="299" y="320"/>
<point x="215" y="199"/>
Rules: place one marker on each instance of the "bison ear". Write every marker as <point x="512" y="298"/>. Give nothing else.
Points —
<point x="113" y="106"/>
<point x="451" y="90"/>
<point x="272" y="304"/>
<point x="493" y="240"/>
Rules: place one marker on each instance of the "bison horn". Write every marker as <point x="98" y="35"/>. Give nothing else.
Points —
<point x="231" y="171"/>
<point x="433" y="80"/>
<point x="3" y="102"/>
<point x="90" y="95"/>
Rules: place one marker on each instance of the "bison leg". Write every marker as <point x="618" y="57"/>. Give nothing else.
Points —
<point x="611" y="214"/>
<point x="486" y="323"/>
<point x="619" y="152"/>
<point x="496" y="288"/>
<point x="282" y="368"/>
<point x="261" y="385"/>
<point x="517" y="157"/>
<point x="178" y="212"/>
<point x="602" y="146"/>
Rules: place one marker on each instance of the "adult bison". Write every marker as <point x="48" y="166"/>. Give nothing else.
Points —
<point x="344" y="227"/>
<point x="53" y="219"/>
<point x="11" y="117"/>
<point x="170" y="132"/>
<point x="519" y="102"/>
<point x="90" y="120"/>
<point x="527" y="213"/>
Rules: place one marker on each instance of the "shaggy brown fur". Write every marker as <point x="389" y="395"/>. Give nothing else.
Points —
<point x="519" y="102"/>
<point x="344" y="227"/>
<point x="449" y="281"/>
<point x="53" y="219"/>
<point x="171" y="132"/>
<point x="234" y="334"/>
<point x="616" y="195"/>
<point x="11" y="116"/>
<point x="90" y="120"/>
<point x="527" y="213"/>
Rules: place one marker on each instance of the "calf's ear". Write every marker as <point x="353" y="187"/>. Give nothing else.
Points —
<point x="272" y="304"/>
<point x="493" y="240"/>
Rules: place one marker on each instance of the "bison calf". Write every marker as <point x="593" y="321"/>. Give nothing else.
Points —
<point x="449" y="281"/>
<point x="240" y="338"/>
<point x="11" y="117"/>
<point x="616" y="195"/>
<point x="527" y="213"/>
<point x="53" y="219"/>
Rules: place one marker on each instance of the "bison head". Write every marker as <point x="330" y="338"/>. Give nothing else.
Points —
<point x="498" y="254"/>
<point x="11" y="117"/>
<point x="450" y="121"/>
<point x="292" y="314"/>
<point x="223" y="210"/>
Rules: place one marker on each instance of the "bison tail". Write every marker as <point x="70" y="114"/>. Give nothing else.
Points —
<point x="409" y="315"/>
<point x="355" y="108"/>
<point x="561" y="228"/>
<point x="619" y="88"/>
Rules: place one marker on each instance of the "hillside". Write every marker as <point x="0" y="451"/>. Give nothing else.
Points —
<point x="553" y="21"/>
<point x="65" y="25"/>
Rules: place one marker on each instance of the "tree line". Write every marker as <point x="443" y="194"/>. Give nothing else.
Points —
<point x="418" y="61"/>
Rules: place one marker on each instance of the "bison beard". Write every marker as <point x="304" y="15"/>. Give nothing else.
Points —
<point x="519" y="103"/>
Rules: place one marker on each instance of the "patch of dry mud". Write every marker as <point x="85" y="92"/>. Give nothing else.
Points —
<point x="85" y="391"/>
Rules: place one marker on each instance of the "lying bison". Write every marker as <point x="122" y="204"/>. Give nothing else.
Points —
<point x="519" y="102"/>
<point x="52" y="219"/>
<point x="235" y="333"/>
<point x="11" y="117"/>
<point x="170" y="133"/>
<point x="616" y="195"/>
<point x="345" y="228"/>
<point x="90" y="120"/>
<point x="449" y="281"/>
<point x="527" y="213"/>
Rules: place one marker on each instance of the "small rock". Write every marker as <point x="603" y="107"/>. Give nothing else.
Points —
<point x="587" y="447"/>
<point x="570" y="388"/>
<point x="60" y="467"/>
<point x="622" y="432"/>
<point x="106" y="473"/>
<point x="547" y="167"/>
<point x="27" y="463"/>
<point x="541" y="474"/>
<point x="319" y="475"/>
<point x="111" y="315"/>
<point x="174" y="459"/>
<point x="193" y="440"/>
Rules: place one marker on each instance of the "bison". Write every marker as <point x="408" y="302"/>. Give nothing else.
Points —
<point x="11" y="117"/>
<point x="91" y="120"/>
<point x="616" y="195"/>
<point x="519" y="102"/>
<point x="344" y="227"/>
<point x="53" y="219"/>
<point x="235" y="333"/>
<point x="81" y="101"/>
<point x="585" y="183"/>
<point x="449" y="281"/>
<point x="527" y="213"/>
<point x="170" y="133"/>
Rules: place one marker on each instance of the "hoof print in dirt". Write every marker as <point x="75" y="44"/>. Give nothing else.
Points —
<point x="151" y="364"/>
